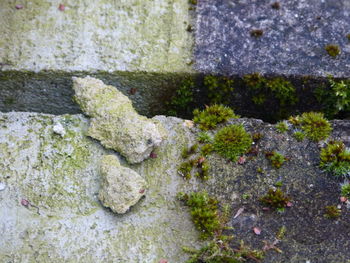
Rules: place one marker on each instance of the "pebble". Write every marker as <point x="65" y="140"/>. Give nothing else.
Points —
<point x="2" y="186"/>
<point x="59" y="129"/>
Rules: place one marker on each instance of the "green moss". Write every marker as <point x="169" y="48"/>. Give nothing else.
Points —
<point x="341" y="90"/>
<point x="257" y="136"/>
<point x="315" y="126"/>
<point x="212" y="115"/>
<point x="259" y="99"/>
<point x="203" y="168"/>
<point x="204" y="212"/>
<point x="282" y="126"/>
<point x="219" y="89"/>
<point x="254" y="81"/>
<point x="332" y="50"/>
<point x="192" y="2"/>
<point x="276" y="159"/>
<point x="275" y="198"/>
<point x="204" y="137"/>
<point x="232" y="141"/>
<point x="335" y="159"/>
<point x="263" y="90"/>
<point x="345" y="190"/>
<point x="182" y="99"/>
<point x="207" y="149"/>
<point x="187" y="152"/>
<point x="299" y="136"/>
<point x="185" y="169"/>
<point x="295" y="120"/>
<point x="283" y="90"/>
<point x="334" y="97"/>
<point x="348" y="36"/>
<point x="211" y="223"/>
<point x="332" y="212"/>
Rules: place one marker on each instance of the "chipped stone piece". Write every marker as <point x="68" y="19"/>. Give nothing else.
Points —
<point x="115" y="122"/>
<point x="2" y="186"/>
<point x="121" y="187"/>
<point x="59" y="129"/>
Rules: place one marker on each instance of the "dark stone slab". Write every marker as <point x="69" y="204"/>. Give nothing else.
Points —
<point x="293" y="40"/>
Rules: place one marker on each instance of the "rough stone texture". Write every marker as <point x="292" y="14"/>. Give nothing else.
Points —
<point x="92" y="36"/>
<point x="292" y="43"/>
<point x="59" y="177"/>
<point x="115" y="122"/>
<point x="121" y="187"/>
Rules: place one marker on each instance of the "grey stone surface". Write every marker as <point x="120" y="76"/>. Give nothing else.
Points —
<point x="115" y="122"/>
<point x="292" y="43"/>
<point x="121" y="187"/>
<point x="57" y="179"/>
<point x="64" y="222"/>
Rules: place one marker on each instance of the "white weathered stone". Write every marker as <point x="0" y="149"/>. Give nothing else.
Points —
<point x="115" y="122"/>
<point x="121" y="187"/>
<point x="104" y="35"/>
<point x="59" y="129"/>
<point x="61" y="177"/>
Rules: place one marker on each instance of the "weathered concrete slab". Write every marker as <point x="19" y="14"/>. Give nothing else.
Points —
<point x="64" y="221"/>
<point x="95" y="36"/>
<point x="293" y="40"/>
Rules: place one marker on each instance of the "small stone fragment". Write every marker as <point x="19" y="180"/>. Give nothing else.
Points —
<point x="257" y="230"/>
<point x="59" y="129"/>
<point x="2" y="186"/>
<point x="19" y="7"/>
<point x="121" y="187"/>
<point x="115" y="122"/>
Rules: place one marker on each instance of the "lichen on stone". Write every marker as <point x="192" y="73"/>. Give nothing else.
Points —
<point x="121" y="187"/>
<point x="115" y="122"/>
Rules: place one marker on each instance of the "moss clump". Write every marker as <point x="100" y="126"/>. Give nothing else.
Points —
<point x="335" y="159"/>
<point x="334" y="97"/>
<point x="204" y="212"/>
<point x="208" y="219"/>
<point x="345" y="190"/>
<point x="203" y="168"/>
<point x="348" y="36"/>
<point x="282" y="126"/>
<point x="212" y="115"/>
<point x="295" y="120"/>
<point x="283" y="90"/>
<point x="332" y="212"/>
<point x="254" y="81"/>
<point x="219" y="89"/>
<point x="207" y="149"/>
<point x="204" y="137"/>
<point x="185" y="169"/>
<point x="299" y="136"/>
<point x="275" y="198"/>
<point x="183" y="97"/>
<point x="278" y="90"/>
<point x="315" y="126"/>
<point x="187" y="152"/>
<point x="232" y="141"/>
<point x="332" y="50"/>
<point x="276" y="159"/>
